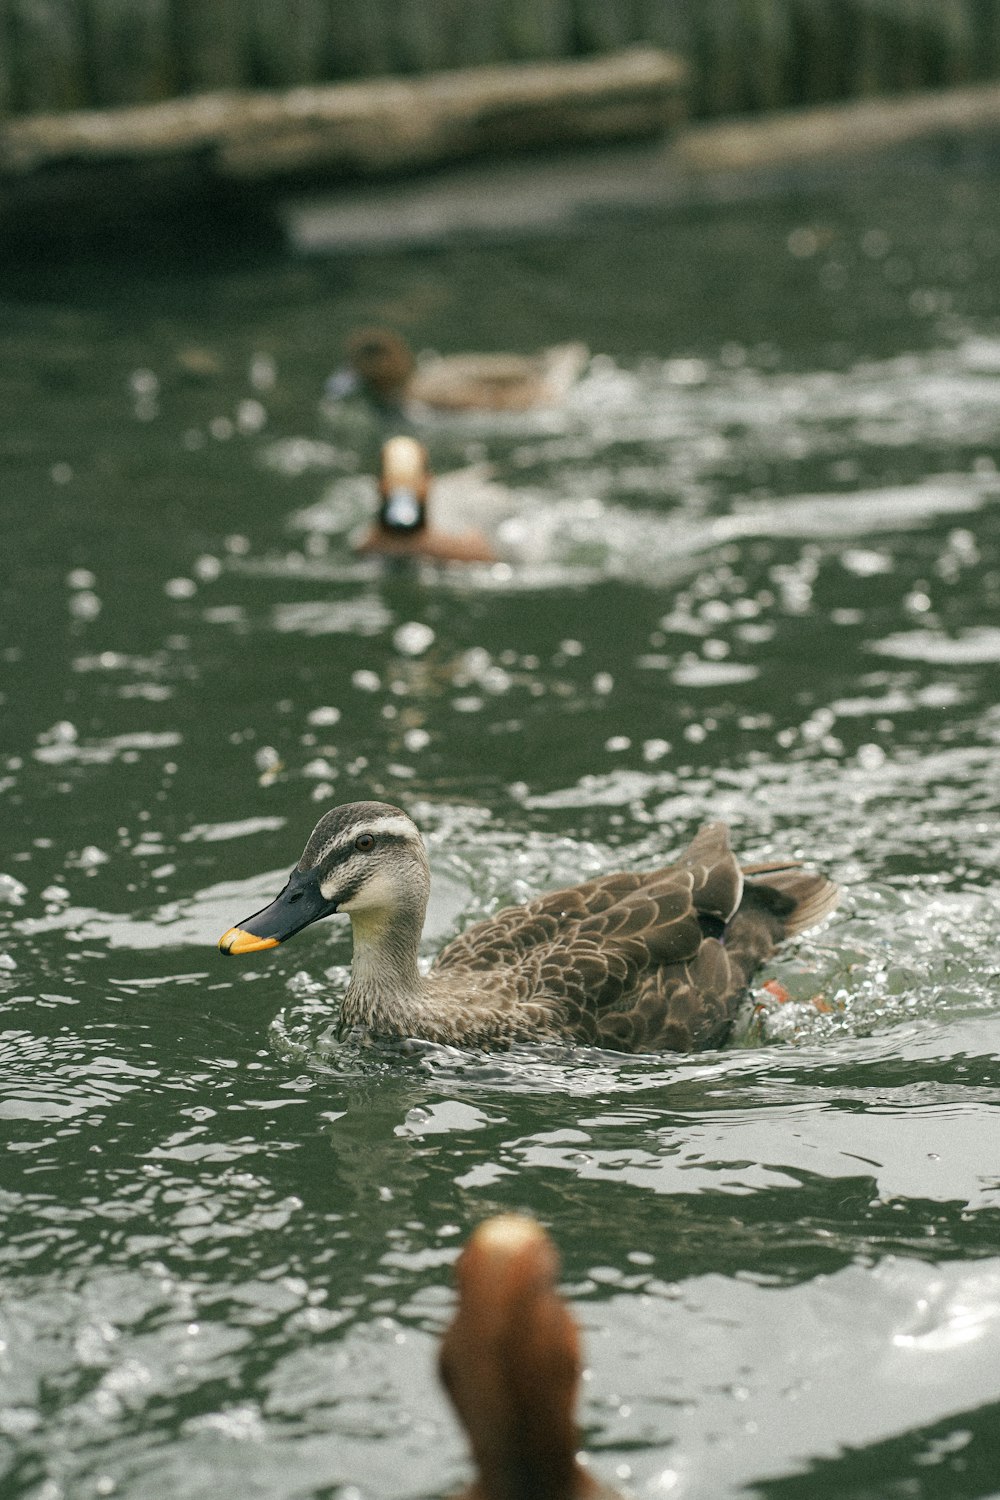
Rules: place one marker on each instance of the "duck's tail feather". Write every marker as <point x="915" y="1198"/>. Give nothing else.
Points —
<point x="808" y="897"/>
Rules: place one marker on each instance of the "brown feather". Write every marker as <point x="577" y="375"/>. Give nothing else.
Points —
<point x="644" y="962"/>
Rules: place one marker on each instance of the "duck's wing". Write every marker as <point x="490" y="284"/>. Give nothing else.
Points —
<point x="498" y="382"/>
<point x="586" y="950"/>
<point x="646" y="962"/>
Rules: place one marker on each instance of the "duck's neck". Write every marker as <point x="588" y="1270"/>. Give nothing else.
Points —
<point x="386" y="986"/>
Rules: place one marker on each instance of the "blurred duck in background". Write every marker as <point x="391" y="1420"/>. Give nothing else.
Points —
<point x="402" y="528"/>
<point x="381" y="365"/>
<point x="511" y="1364"/>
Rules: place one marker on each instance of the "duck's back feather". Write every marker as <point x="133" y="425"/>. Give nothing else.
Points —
<point x="641" y="961"/>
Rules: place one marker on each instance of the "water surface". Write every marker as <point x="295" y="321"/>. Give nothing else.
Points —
<point x="752" y="573"/>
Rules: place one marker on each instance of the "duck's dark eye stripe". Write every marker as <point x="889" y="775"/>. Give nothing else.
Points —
<point x="340" y="856"/>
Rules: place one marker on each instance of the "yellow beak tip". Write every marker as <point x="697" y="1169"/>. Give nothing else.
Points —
<point x="238" y="941"/>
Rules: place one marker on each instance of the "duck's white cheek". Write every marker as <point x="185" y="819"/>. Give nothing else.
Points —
<point x="377" y="891"/>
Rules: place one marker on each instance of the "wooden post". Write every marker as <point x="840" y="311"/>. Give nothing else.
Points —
<point x="768" y="55"/>
<point x="212" y="44"/>
<point x="608" y="25"/>
<point x="477" y="32"/>
<point x="720" y="57"/>
<point x="49" y="64"/>
<point x="421" y="36"/>
<point x="669" y="24"/>
<point x="871" y="69"/>
<point x="6" y="62"/>
<point x="287" y="41"/>
<point x="359" y="38"/>
<point x="538" y="28"/>
<point x="986" y="37"/>
<point x="130" y="52"/>
<point x="820" y="47"/>
<point x="952" y="58"/>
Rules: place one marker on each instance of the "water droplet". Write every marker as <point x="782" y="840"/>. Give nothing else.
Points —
<point x="251" y="416"/>
<point x="180" y="588"/>
<point x="85" y="605"/>
<point x="324" y="716"/>
<point x="12" y="892"/>
<point x="263" y="372"/>
<point x="143" y="383"/>
<point x="413" y="638"/>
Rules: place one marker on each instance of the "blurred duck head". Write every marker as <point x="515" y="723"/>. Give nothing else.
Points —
<point x="379" y="363"/>
<point x="511" y="1364"/>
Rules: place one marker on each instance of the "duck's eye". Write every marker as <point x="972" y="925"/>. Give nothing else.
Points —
<point x="364" y="841"/>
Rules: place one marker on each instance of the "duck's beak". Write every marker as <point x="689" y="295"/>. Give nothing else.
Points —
<point x="300" y="903"/>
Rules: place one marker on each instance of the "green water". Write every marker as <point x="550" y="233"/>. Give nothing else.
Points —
<point x="753" y="573"/>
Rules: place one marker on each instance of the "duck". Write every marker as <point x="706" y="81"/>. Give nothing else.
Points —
<point x="645" y="961"/>
<point x="382" y="366"/>
<point x="510" y="1363"/>
<point x="402" y="528"/>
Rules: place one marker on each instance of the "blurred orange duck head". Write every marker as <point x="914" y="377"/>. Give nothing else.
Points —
<point x="511" y="1364"/>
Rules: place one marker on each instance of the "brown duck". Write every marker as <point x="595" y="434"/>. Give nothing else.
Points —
<point x="511" y="1364"/>
<point x="636" y="962"/>
<point x="403" y="528"/>
<point x="382" y="366"/>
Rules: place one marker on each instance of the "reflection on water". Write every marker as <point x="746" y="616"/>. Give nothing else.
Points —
<point x="751" y="572"/>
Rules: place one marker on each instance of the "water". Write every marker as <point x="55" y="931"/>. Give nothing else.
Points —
<point x="753" y="574"/>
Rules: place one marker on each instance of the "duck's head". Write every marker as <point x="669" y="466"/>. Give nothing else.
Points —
<point x="366" y="859"/>
<point x="404" y="480"/>
<point x="511" y="1362"/>
<point x="379" y="362"/>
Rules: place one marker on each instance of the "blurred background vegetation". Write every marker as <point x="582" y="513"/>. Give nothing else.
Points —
<point x="747" y="55"/>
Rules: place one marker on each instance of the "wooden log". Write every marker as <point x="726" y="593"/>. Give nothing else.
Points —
<point x="131" y="57"/>
<point x="212" y="42"/>
<point x="393" y="125"/>
<point x="49" y="58"/>
<point x="385" y="125"/>
<point x="847" y="130"/>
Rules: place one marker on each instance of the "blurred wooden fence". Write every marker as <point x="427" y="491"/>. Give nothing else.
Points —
<point x="751" y="55"/>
